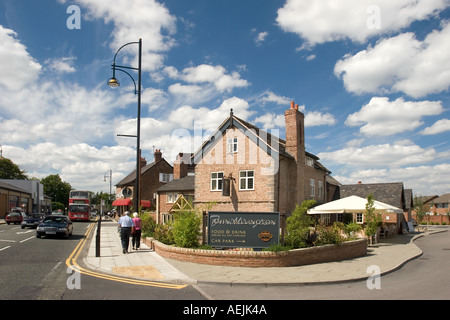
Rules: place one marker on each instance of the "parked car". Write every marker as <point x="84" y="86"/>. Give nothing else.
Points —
<point x="16" y="216"/>
<point x="32" y="220"/>
<point x="55" y="225"/>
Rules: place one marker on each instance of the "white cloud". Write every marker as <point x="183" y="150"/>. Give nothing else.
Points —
<point x="208" y="74"/>
<point x="381" y="117"/>
<point x="439" y="126"/>
<point x="312" y="119"/>
<point x="399" y="154"/>
<point x="146" y="19"/>
<point x="79" y="164"/>
<point x="42" y="110"/>
<point x="261" y="37"/>
<point x="270" y="121"/>
<point x="17" y="66"/>
<point x="269" y="96"/>
<point x="191" y="94"/>
<point x="400" y="64"/>
<point x="316" y="118"/>
<point x="322" y="21"/>
<point x="423" y="179"/>
<point x="61" y="65"/>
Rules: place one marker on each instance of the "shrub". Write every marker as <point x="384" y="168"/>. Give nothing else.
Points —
<point x="277" y="248"/>
<point x="329" y="235"/>
<point x="148" y="224"/>
<point x="186" y="229"/>
<point x="164" y="234"/>
<point x="298" y="226"/>
<point x="351" y="229"/>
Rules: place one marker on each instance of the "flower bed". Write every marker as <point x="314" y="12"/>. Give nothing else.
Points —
<point x="296" y="257"/>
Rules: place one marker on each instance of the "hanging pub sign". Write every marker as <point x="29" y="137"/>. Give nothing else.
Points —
<point x="243" y="229"/>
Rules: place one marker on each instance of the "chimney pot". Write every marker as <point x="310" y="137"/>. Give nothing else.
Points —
<point x="296" y="107"/>
<point x="292" y="104"/>
<point x="157" y="155"/>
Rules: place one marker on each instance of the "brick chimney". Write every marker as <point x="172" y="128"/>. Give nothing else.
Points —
<point x="295" y="145"/>
<point x="157" y="155"/>
<point x="181" y="165"/>
<point x="295" y="132"/>
<point x="143" y="162"/>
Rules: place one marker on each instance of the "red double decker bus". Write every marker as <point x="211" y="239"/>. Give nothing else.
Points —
<point x="79" y="205"/>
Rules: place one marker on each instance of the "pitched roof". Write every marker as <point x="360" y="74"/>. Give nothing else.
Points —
<point x="186" y="183"/>
<point x="426" y="199"/>
<point x="390" y="193"/>
<point x="261" y="137"/>
<point x="130" y="179"/>
<point x="445" y="198"/>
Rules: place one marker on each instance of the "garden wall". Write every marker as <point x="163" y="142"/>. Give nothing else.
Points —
<point x="296" y="257"/>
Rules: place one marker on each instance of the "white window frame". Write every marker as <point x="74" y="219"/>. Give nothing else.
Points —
<point x="246" y="178"/>
<point x="165" y="177"/>
<point x="216" y="182"/>
<point x="312" y="185"/>
<point x="321" y="189"/>
<point x="171" y="197"/>
<point x="232" y="145"/>
<point x="359" y="218"/>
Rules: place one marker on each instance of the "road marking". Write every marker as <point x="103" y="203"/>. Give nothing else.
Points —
<point x="71" y="262"/>
<point x="26" y="239"/>
<point x="23" y="232"/>
<point x="50" y="274"/>
<point x="5" y="248"/>
<point x="7" y="240"/>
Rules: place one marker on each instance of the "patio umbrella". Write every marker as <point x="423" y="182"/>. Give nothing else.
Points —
<point x="352" y="204"/>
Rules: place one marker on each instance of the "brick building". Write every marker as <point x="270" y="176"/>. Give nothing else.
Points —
<point x="153" y="176"/>
<point x="244" y="168"/>
<point x="183" y="184"/>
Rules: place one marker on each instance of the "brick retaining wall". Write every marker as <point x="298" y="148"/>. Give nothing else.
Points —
<point x="296" y="257"/>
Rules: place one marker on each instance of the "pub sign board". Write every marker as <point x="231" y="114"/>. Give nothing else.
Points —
<point x="243" y="229"/>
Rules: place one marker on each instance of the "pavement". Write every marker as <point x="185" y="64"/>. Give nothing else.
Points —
<point x="388" y="255"/>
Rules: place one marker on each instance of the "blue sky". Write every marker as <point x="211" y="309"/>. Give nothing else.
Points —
<point x="371" y="76"/>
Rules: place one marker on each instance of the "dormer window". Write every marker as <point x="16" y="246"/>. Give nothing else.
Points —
<point x="232" y="145"/>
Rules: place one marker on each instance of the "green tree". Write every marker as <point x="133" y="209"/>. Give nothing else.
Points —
<point x="420" y="208"/>
<point x="297" y="234"/>
<point x="97" y="198"/>
<point x="373" y="219"/>
<point x="9" y="170"/>
<point x="57" y="189"/>
<point x="186" y="229"/>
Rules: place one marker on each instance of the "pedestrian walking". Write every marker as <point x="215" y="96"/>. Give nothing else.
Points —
<point x="126" y="225"/>
<point x="136" y="235"/>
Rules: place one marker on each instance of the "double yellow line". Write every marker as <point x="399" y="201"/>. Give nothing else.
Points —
<point x="71" y="262"/>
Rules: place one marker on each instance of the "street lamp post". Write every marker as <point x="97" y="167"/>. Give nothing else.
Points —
<point x="114" y="83"/>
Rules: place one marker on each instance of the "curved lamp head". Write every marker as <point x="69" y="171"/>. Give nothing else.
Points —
<point x="113" y="83"/>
